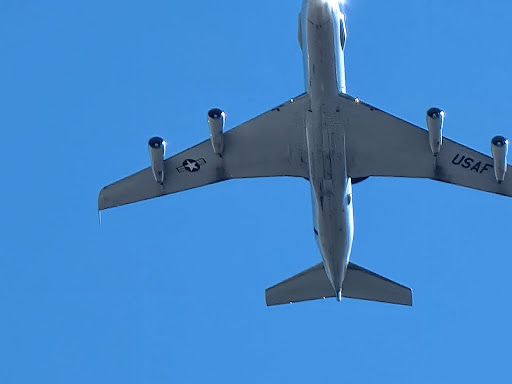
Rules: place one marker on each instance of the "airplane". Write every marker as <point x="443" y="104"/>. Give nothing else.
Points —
<point x="331" y="139"/>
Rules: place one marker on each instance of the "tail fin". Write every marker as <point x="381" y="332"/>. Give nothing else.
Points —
<point x="359" y="283"/>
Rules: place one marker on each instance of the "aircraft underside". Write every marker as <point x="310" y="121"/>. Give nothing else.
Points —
<point x="331" y="139"/>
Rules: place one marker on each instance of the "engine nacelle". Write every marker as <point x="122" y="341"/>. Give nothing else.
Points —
<point x="499" y="149"/>
<point x="435" y="119"/>
<point x="216" y="119"/>
<point x="157" y="152"/>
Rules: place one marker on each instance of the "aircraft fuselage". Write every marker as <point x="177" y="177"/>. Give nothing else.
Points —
<point x="322" y="31"/>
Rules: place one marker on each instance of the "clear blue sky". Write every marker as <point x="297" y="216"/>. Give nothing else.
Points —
<point x="172" y="290"/>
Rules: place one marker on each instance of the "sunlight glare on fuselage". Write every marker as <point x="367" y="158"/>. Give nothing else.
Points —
<point x="336" y="4"/>
<point x="342" y="4"/>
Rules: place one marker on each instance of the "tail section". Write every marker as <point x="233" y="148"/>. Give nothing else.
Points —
<point x="311" y="284"/>
<point x="359" y="283"/>
<point x="363" y="284"/>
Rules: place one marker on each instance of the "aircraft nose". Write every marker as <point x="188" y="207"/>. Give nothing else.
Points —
<point x="319" y="11"/>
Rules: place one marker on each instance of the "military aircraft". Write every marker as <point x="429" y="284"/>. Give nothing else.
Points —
<point x="331" y="139"/>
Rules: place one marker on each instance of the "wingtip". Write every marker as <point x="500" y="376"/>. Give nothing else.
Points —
<point x="267" y="303"/>
<point x="409" y="303"/>
<point x="101" y="200"/>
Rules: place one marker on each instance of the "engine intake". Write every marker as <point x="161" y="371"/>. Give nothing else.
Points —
<point x="157" y="152"/>
<point x="499" y="149"/>
<point x="216" y="119"/>
<point x="435" y="119"/>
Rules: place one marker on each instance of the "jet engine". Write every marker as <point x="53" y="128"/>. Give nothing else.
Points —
<point x="157" y="152"/>
<point x="216" y="118"/>
<point x="435" y="119"/>
<point x="499" y="149"/>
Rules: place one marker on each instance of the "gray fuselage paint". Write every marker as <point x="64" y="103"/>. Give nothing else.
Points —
<point x="331" y="189"/>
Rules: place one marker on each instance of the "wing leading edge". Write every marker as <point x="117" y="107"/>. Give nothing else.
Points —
<point x="379" y="144"/>
<point x="272" y="144"/>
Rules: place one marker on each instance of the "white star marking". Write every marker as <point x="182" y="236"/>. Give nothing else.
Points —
<point x="191" y="166"/>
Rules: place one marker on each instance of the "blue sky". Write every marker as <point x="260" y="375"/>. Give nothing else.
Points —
<point x="172" y="290"/>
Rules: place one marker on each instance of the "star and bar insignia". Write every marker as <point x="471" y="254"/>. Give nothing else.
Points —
<point x="191" y="165"/>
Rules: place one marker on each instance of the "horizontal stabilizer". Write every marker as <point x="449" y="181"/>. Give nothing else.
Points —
<point x="359" y="283"/>
<point x="363" y="284"/>
<point x="311" y="284"/>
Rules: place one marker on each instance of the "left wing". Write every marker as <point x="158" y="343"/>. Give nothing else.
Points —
<point x="272" y="144"/>
<point x="379" y="144"/>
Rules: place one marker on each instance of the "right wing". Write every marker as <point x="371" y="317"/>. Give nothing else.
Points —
<point x="272" y="144"/>
<point x="380" y="144"/>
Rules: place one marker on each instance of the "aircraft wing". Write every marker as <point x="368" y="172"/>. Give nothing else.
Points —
<point x="379" y="144"/>
<point x="272" y="144"/>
